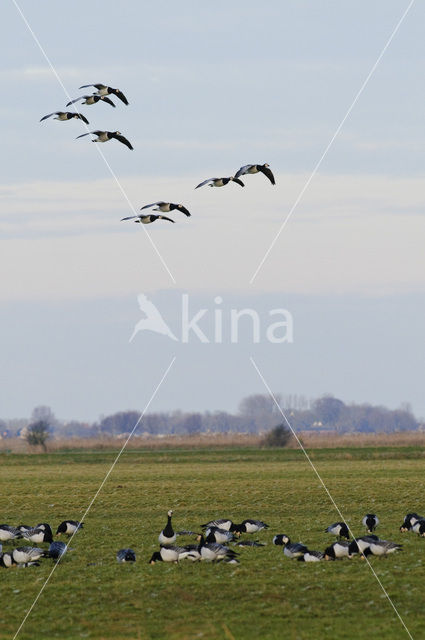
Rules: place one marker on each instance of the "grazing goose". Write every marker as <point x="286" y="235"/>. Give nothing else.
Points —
<point x="126" y="555"/>
<point x="249" y="543"/>
<point x="57" y="549"/>
<point x="166" y="554"/>
<point x="22" y="555"/>
<point x="9" y="533"/>
<point x="370" y="521"/>
<point x="256" y="168"/>
<point x="419" y="527"/>
<point x="337" y="550"/>
<point x="24" y="527"/>
<point x="167" y="536"/>
<point x="103" y="90"/>
<point x="69" y="527"/>
<point x="311" y="556"/>
<point x="105" y="136"/>
<point x="280" y="539"/>
<point x="409" y="521"/>
<point x="6" y="560"/>
<point x="166" y="207"/>
<point x="65" y="115"/>
<point x="147" y="219"/>
<point x="382" y="547"/>
<point x="38" y="535"/>
<point x="91" y="100"/>
<point x="291" y="549"/>
<point x="222" y="523"/>
<point x="251" y="526"/>
<point x="214" y="534"/>
<point x="214" y="552"/>
<point x="220" y="182"/>
<point x="358" y="545"/>
<point x="339" y="529"/>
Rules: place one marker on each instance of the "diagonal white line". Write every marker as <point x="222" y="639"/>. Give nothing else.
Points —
<point x="97" y="493"/>
<point x="325" y="488"/>
<point x="330" y="143"/>
<point x="111" y="171"/>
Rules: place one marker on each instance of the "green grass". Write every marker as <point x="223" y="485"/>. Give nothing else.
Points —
<point x="266" y="596"/>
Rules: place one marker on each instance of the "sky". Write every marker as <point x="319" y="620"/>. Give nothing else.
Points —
<point x="212" y="87"/>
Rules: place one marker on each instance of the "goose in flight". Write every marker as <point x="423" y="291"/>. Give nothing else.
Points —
<point x="166" y="207"/>
<point x="220" y="182"/>
<point x="65" y="115"/>
<point x="103" y="90"/>
<point x="147" y="219"/>
<point x="104" y="136"/>
<point x="256" y="168"/>
<point x="91" y="100"/>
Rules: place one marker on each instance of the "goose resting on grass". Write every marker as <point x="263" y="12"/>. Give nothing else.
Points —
<point x="409" y="521"/>
<point x="9" y="533"/>
<point x="337" y="550"/>
<point x="105" y="136"/>
<point x="311" y="556"/>
<point x="69" y="527"/>
<point x="126" y="555"/>
<point x="251" y="526"/>
<point x="65" y="115"/>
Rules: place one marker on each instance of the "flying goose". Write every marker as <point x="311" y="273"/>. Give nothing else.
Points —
<point x="370" y="521"/>
<point x="147" y="219"/>
<point x="339" y="529"/>
<point x="91" y="100"/>
<point x="166" y="207"/>
<point x="105" y="136"/>
<point x="69" y="527"/>
<point x="9" y="533"/>
<point x="65" y="115"/>
<point x="103" y="90"/>
<point x="167" y="536"/>
<point x="256" y="168"/>
<point x="126" y="555"/>
<point x="251" y="526"/>
<point x="220" y="182"/>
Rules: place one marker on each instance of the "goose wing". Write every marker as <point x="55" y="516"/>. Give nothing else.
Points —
<point x="165" y="218"/>
<point x="49" y="115"/>
<point x="205" y="182"/>
<point x="151" y="205"/>
<point x="122" y="139"/>
<point x="129" y="218"/>
<point x="268" y="173"/>
<point x="98" y="86"/>
<point x="76" y="100"/>
<point x="238" y="182"/>
<point x="108" y="100"/>
<point x="243" y="170"/>
<point x="121" y="96"/>
<point x="183" y="210"/>
<point x="95" y="133"/>
<point x="81" y="117"/>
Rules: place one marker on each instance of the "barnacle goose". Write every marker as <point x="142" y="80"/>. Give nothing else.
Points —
<point x="370" y="521"/>
<point x="256" y="168"/>
<point x="339" y="529"/>
<point x="167" y="536"/>
<point x="220" y="182"/>
<point x="126" y="555"/>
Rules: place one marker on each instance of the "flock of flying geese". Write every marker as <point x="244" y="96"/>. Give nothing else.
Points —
<point x="212" y="544"/>
<point x="101" y="95"/>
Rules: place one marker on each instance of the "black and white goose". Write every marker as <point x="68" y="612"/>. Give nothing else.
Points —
<point x="105" y="136"/>
<point x="215" y="552"/>
<point x="251" y="526"/>
<point x="167" y="536"/>
<point x="311" y="556"/>
<point x="57" y="549"/>
<point x="214" y="534"/>
<point x="104" y="90"/>
<point x="147" y="219"/>
<point x="189" y="552"/>
<point x="370" y="521"/>
<point x="409" y="521"/>
<point x="359" y="545"/>
<point x="91" y="100"/>
<point x="337" y="550"/>
<point x="126" y="555"/>
<point x="6" y="560"/>
<point x="221" y="523"/>
<point x="166" y="207"/>
<point x="256" y="168"/>
<point x="339" y="529"/>
<point x="290" y="549"/>
<point x="382" y="547"/>
<point x="220" y="182"/>
<point x="419" y="527"/>
<point x="69" y="527"/>
<point x="22" y="555"/>
<point x="166" y="554"/>
<point x="249" y="543"/>
<point x="8" y="532"/>
<point x="65" y="115"/>
<point x="40" y="533"/>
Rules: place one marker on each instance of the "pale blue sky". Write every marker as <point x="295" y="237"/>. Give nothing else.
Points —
<point x="212" y="87"/>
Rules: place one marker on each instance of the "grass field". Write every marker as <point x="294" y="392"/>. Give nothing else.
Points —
<point x="266" y="596"/>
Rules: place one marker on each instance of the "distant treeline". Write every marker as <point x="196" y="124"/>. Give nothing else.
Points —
<point x="256" y="414"/>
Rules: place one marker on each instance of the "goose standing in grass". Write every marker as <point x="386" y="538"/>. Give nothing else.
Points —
<point x="105" y="136"/>
<point x="22" y="555"/>
<point x="69" y="527"/>
<point x="220" y="182"/>
<point x="419" y="527"/>
<point x="166" y="554"/>
<point x="91" y="100"/>
<point x="38" y="535"/>
<point x="337" y="550"/>
<point x="251" y="526"/>
<point x="126" y="555"/>
<point x="57" y="549"/>
<point x="167" y="537"/>
<point x="214" y="534"/>
<point x="147" y="219"/>
<point x="9" y="533"/>
<point x="256" y="168"/>
<point x="214" y="552"/>
<point x="338" y="529"/>
<point x="359" y="545"/>
<point x="382" y="547"/>
<point x="311" y="556"/>
<point x="409" y="521"/>
<point x="65" y="115"/>
<point x="166" y="207"/>
<point x="104" y="90"/>
<point x="370" y="521"/>
<point x="290" y="549"/>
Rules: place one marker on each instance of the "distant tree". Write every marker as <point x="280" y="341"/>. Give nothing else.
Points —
<point x="328" y="409"/>
<point x="279" y="436"/>
<point x="38" y="433"/>
<point x="43" y="412"/>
